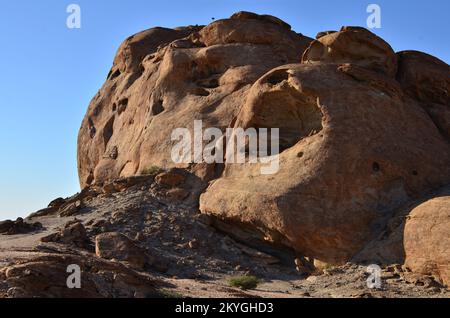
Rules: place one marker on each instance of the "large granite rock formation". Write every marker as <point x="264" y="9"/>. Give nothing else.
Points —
<point x="363" y="130"/>
<point x="164" y="79"/>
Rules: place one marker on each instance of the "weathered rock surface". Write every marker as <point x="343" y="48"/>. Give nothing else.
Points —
<point x="185" y="256"/>
<point x="427" y="239"/>
<point x="363" y="136"/>
<point x="353" y="45"/>
<point x="9" y="227"/>
<point x="360" y="127"/>
<point x="155" y="87"/>
<point x="73" y="233"/>
<point x="45" y="276"/>
<point x="365" y="150"/>
<point x="426" y="79"/>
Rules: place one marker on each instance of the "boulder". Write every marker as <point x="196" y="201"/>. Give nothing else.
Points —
<point x="354" y="45"/>
<point x="46" y="276"/>
<point x="426" y="79"/>
<point x="73" y="233"/>
<point x="71" y="208"/>
<point x="427" y="239"/>
<point x="19" y="226"/>
<point x="117" y="246"/>
<point x="256" y="29"/>
<point x="170" y="178"/>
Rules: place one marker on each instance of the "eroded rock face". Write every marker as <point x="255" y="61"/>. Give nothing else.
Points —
<point x="426" y="79"/>
<point x="9" y="227"/>
<point x="353" y="45"/>
<point x="73" y="233"/>
<point x="46" y="276"/>
<point x="363" y="150"/>
<point x="359" y="133"/>
<point x="165" y="79"/>
<point x="427" y="239"/>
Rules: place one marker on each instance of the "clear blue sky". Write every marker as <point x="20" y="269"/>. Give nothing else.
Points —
<point x="49" y="73"/>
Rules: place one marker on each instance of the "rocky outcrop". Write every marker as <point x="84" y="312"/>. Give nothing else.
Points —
<point x="426" y="79"/>
<point x="45" y="276"/>
<point x="354" y="45"/>
<point x="355" y="150"/>
<point x="118" y="246"/>
<point x="164" y="79"/>
<point x="360" y="127"/>
<point x="9" y="227"/>
<point x="73" y="233"/>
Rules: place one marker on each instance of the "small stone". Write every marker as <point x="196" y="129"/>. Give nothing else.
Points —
<point x="298" y="262"/>
<point x="312" y="279"/>
<point x="140" y="236"/>
<point x="193" y="244"/>
<point x="171" y="178"/>
<point x="71" y="209"/>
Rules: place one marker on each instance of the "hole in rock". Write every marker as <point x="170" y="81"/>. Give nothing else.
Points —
<point x="376" y="167"/>
<point x="108" y="130"/>
<point x="92" y="130"/>
<point x="200" y="92"/>
<point x="123" y="103"/>
<point x="297" y="116"/>
<point x="90" y="178"/>
<point x="157" y="107"/>
<point x="277" y="77"/>
<point x="112" y="75"/>
<point x="209" y="83"/>
<point x="97" y="110"/>
<point x="415" y="173"/>
<point x="114" y="107"/>
<point x="113" y="153"/>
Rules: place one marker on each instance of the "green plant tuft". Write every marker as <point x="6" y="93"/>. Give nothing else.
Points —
<point x="165" y="293"/>
<point x="151" y="171"/>
<point x="245" y="282"/>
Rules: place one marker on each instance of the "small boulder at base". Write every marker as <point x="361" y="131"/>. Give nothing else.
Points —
<point x="117" y="246"/>
<point x="427" y="239"/>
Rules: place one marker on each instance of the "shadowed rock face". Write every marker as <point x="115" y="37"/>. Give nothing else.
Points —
<point x="362" y="130"/>
<point x="426" y="79"/>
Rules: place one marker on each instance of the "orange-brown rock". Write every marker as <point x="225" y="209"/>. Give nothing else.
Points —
<point x="353" y="45"/>
<point x="357" y="140"/>
<point x="427" y="239"/>
<point x="426" y="79"/>
<point x="164" y="79"/>
<point x="354" y="148"/>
